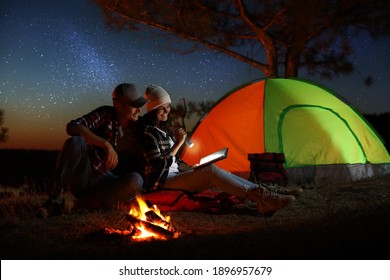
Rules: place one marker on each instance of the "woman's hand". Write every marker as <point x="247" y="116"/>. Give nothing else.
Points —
<point x="180" y="135"/>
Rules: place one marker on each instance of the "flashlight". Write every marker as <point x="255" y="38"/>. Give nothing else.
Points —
<point x="189" y="142"/>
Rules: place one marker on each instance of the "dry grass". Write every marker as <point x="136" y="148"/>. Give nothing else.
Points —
<point x="330" y="221"/>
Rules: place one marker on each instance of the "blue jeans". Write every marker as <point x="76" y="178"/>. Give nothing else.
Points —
<point x="75" y="173"/>
<point x="209" y="177"/>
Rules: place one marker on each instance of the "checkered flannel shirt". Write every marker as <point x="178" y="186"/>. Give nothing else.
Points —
<point x="158" y="157"/>
<point x="103" y="122"/>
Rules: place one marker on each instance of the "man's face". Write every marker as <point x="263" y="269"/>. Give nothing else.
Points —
<point x="126" y="111"/>
<point x="132" y="113"/>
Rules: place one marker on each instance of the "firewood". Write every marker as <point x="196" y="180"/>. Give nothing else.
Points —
<point x="152" y="217"/>
<point x="149" y="226"/>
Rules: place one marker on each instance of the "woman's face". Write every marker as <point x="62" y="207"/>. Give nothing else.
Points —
<point x="163" y="112"/>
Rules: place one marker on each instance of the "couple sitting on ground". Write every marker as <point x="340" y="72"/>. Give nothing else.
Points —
<point x="113" y="155"/>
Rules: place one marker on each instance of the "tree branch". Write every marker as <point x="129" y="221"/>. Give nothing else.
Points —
<point x="270" y="50"/>
<point x="194" y="38"/>
<point x="265" y="28"/>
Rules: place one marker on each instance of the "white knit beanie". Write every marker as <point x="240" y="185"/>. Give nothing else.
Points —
<point x="156" y="97"/>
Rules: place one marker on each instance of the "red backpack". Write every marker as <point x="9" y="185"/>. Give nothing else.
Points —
<point x="268" y="168"/>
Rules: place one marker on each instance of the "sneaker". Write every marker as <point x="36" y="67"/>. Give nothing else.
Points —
<point x="268" y="202"/>
<point x="59" y="203"/>
<point x="282" y="190"/>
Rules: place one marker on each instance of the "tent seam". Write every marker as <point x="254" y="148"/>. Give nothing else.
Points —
<point x="292" y="107"/>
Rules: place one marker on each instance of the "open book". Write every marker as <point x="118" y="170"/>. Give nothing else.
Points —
<point x="211" y="158"/>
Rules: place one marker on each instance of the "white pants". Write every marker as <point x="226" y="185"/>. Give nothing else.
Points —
<point x="209" y="177"/>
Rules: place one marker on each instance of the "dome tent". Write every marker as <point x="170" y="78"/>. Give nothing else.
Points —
<point x="320" y="136"/>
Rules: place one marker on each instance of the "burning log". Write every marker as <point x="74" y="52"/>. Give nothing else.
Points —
<point x="119" y="232"/>
<point x="147" y="222"/>
<point x="166" y="233"/>
<point x="152" y="217"/>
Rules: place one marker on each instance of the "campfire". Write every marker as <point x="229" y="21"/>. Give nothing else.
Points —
<point x="147" y="222"/>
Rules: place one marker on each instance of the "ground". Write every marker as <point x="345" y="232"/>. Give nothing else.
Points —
<point x="329" y="221"/>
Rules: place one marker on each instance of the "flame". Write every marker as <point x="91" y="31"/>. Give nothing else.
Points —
<point x="140" y="213"/>
<point x="147" y="223"/>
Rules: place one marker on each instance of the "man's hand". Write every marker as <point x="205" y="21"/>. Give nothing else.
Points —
<point x="111" y="156"/>
<point x="90" y="137"/>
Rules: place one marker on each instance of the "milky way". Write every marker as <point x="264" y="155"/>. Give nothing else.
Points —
<point x="58" y="60"/>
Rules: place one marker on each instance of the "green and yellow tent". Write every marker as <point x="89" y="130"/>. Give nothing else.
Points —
<point x="319" y="134"/>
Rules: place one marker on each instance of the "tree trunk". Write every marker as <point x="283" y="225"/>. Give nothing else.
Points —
<point x="292" y="62"/>
<point x="271" y="68"/>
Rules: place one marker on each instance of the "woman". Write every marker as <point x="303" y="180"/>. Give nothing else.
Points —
<point x="161" y="144"/>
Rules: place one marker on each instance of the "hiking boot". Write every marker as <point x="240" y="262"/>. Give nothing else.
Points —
<point x="59" y="203"/>
<point x="281" y="190"/>
<point x="268" y="202"/>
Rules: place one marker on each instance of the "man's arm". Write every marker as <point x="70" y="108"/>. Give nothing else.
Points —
<point x="93" y="139"/>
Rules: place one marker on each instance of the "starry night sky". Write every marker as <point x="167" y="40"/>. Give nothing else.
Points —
<point x="58" y="61"/>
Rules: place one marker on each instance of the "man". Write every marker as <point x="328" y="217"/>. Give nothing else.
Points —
<point x="88" y="163"/>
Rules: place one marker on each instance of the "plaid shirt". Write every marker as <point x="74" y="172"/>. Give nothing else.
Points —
<point x="158" y="157"/>
<point x="103" y="122"/>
